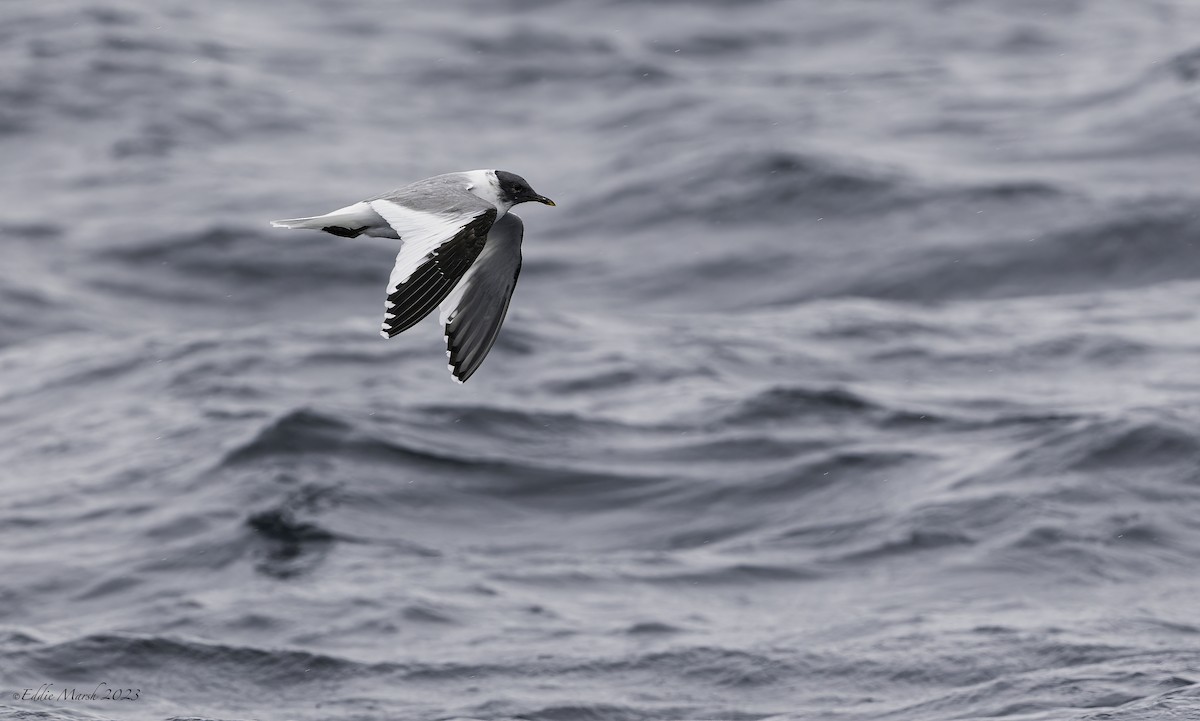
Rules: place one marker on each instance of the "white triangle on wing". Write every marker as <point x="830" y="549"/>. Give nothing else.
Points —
<point x="421" y="233"/>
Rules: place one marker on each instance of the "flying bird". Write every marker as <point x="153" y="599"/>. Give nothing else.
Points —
<point x="460" y="247"/>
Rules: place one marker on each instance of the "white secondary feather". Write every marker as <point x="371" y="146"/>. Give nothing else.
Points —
<point x="420" y="232"/>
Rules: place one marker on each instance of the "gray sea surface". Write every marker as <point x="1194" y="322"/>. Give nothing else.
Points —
<point x="854" y="377"/>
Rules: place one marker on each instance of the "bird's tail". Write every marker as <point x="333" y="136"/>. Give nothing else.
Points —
<point x="317" y="222"/>
<point x="347" y="222"/>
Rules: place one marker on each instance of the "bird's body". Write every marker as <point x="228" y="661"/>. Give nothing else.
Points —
<point x="459" y="247"/>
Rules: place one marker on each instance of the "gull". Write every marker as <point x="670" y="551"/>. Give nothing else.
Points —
<point x="460" y="247"/>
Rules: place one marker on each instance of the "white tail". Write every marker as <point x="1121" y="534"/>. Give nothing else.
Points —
<point x="354" y="216"/>
<point x="316" y="222"/>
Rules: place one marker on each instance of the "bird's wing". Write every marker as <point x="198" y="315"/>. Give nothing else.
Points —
<point x="473" y="313"/>
<point x="442" y="231"/>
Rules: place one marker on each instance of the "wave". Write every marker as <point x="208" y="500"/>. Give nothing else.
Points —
<point x="1099" y="444"/>
<point x="239" y="256"/>
<point x="96" y="656"/>
<point x="22" y="310"/>
<point x="828" y="405"/>
<point x="483" y="465"/>
<point x="745" y="187"/>
<point x="1140" y="246"/>
<point x="1186" y="65"/>
<point x="532" y="57"/>
<point x="109" y="68"/>
<point x="734" y="574"/>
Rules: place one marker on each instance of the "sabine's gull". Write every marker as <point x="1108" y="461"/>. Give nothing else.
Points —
<point x="459" y="247"/>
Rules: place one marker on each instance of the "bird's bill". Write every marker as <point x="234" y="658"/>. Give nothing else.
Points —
<point x="545" y="201"/>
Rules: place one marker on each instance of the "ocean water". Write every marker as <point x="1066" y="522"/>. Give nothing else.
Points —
<point x="855" y="375"/>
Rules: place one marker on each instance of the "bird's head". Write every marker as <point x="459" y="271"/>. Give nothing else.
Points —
<point x="514" y="189"/>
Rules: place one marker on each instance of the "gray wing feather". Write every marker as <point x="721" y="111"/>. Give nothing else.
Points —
<point x="445" y="194"/>
<point x="475" y="310"/>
